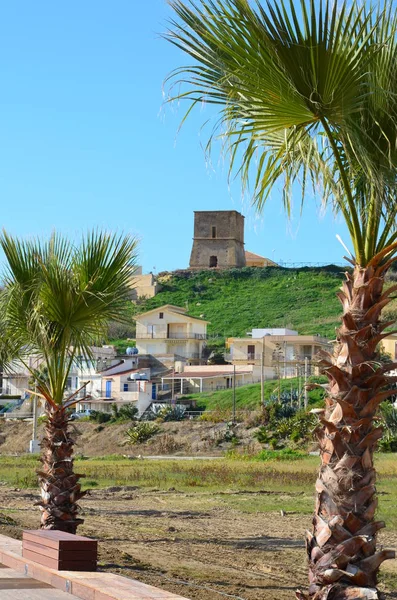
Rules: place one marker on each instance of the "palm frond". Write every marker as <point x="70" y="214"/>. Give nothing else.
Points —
<point x="308" y="93"/>
<point x="58" y="298"/>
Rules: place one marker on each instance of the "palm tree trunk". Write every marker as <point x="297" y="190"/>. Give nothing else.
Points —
<point x="60" y="488"/>
<point x="343" y="560"/>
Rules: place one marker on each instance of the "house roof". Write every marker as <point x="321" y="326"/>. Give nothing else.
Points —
<point x="111" y="367"/>
<point x="125" y="372"/>
<point x="171" y="308"/>
<point x="252" y="256"/>
<point x="249" y="254"/>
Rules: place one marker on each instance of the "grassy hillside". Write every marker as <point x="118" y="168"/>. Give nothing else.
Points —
<point x="248" y="397"/>
<point x="236" y="300"/>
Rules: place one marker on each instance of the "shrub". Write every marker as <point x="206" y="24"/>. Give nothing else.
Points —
<point x="168" y="444"/>
<point x="388" y="418"/>
<point x="280" y="432"/>
<point x="167" y="413"/>
<point x="128" y="412"/>
<point x="141" y="432"/>
<point x="100" y="417"/>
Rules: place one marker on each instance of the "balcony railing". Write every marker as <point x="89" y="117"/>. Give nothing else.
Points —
<point x="269" y="361"/>
<point x="169" y="335"/>
<point x="242" y="356"/>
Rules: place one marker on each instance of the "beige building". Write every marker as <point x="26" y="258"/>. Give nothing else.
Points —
<point x="168" y="331"/>
<point x="389" y="345"/>
<point x="144" y="286"/>
<point x="208" y="378"/>
<point x="254" y="260"/>
<point x="218" y="240"/>
<point x="284" y="350"/>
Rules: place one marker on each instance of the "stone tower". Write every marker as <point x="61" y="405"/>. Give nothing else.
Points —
<point x="218" y="240"/>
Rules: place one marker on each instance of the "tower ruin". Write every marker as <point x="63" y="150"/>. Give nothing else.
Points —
<point x="218" y="240"/>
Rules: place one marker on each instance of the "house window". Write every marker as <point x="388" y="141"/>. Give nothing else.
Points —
<point x="213" y="261"/>
<point x="251" y="351"/>
<point x="125" y="387"/>
<point x="213" y="232"/>
<point x="161" y="315"/>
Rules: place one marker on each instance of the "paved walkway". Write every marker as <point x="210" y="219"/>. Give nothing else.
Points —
<point x="16" y="586"/>
<point x="23" y="579"/>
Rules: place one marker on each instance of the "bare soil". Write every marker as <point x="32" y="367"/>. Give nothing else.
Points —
<point x="182" y="438"/>
<point x="200" y="545"/>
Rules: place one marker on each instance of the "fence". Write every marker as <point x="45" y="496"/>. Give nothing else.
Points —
<point x="16" y="415"/>
<point x="299" y="265"/>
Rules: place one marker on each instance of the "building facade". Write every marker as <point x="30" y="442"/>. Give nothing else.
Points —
<point x="282" y="350"/>
<point x="389" y="346"/>
<point x="218" y="240"/>
<point x="168" y="331"/>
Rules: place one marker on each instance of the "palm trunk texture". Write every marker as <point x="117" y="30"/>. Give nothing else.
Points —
<point x="60" y="488"/>
<point x="343" y="558"/>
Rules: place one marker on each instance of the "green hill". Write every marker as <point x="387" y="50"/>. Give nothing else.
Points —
<point x="236" y="300"/>
<point x="248" y="396"/>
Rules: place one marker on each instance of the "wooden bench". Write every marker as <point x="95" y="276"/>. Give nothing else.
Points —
<point x="59" y="550"/>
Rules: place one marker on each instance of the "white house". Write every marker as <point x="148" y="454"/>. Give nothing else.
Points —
<point x="168" y="331"/>
<point x="88" y="371"/>
<point x="283" y="350"/>
<point x="195" y="378"/>
<point x="123" y="383"/>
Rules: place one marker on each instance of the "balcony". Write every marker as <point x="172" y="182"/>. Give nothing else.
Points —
<point x="148" y="334"/>
<point x="243" y="357"/>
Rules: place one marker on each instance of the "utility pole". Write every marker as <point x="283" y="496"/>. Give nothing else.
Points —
<point x="34" y="445"/>
<point x="306" y="373"/>
<point x="262" y="373"/>
<point x="298" y="374"/>
<point x="234" y="393"/>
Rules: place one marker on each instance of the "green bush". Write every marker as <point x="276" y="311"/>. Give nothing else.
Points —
<point x="167" y="413"/>
<point x="141" y="432"/>
<point x="388" y="418"/>
<point x="280" y="432"/>
<point x="128" y="412"/>
<point x="100" y="417"/>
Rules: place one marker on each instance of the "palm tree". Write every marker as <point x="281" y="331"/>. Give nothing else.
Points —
<point x="308" y="97"/>
<point x="57" y="302"/>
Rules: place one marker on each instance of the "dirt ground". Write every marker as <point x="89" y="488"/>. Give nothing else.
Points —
<point x="200" y="545"/>
<point x="183" y="438"/>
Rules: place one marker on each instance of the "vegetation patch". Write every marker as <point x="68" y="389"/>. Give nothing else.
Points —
<point x="236" y="300"/>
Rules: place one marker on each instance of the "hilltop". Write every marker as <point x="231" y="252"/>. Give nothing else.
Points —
<point x="236" y="300"/>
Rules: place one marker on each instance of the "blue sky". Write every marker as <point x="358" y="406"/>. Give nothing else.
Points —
<point x="86" y="140"/>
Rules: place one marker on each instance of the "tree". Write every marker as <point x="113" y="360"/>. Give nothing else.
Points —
<point x="57" y="302"/>
<point x="308" y="98"/>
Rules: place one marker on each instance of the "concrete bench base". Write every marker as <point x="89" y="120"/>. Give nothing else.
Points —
<point x="87" y="586"/>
